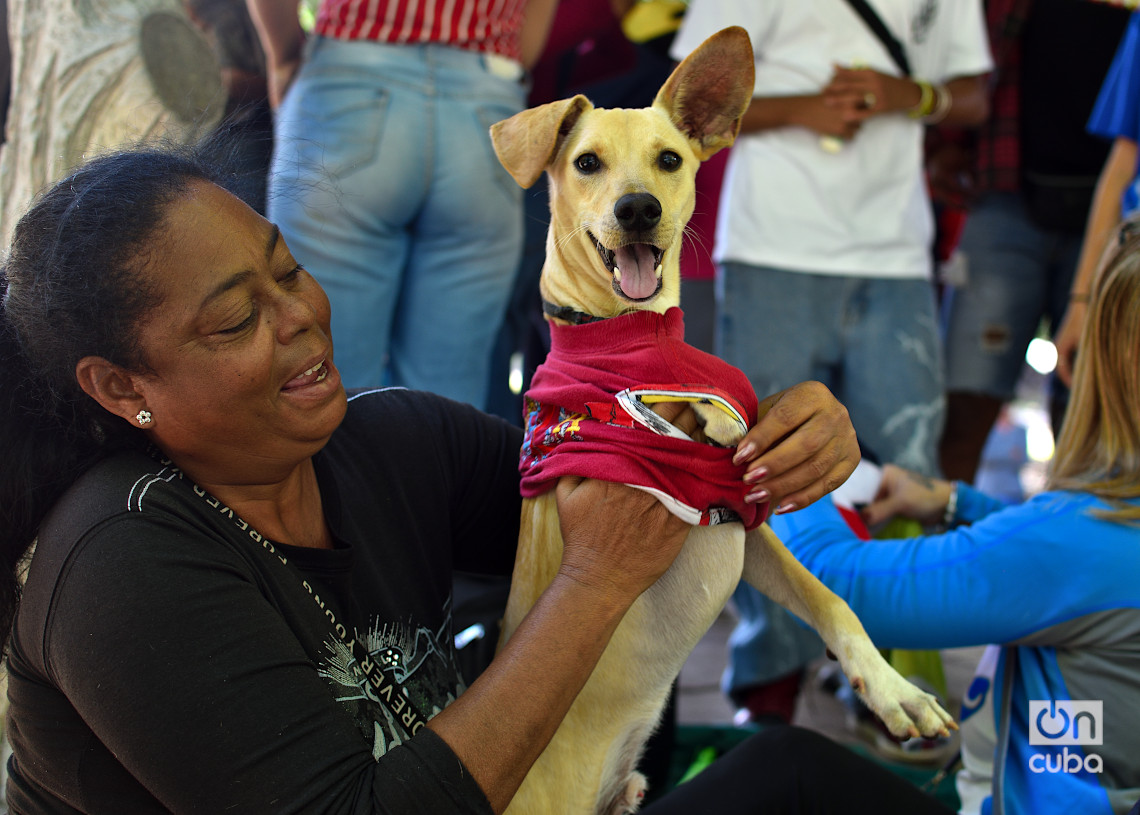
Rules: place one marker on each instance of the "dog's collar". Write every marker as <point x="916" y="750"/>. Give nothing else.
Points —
<point x="569" y="314"/>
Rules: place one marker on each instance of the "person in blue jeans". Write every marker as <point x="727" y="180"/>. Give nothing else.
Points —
<point x="385" y="183"/>
<point x="1051" y="722"/>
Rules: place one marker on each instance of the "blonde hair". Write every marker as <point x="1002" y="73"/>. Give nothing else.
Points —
<point x="1098" y="449"/>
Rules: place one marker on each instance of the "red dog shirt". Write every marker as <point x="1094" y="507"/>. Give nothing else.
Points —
<point x="587" y="415"/>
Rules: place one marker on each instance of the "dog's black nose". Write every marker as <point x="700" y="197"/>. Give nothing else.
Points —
<point x="637" y="212"/>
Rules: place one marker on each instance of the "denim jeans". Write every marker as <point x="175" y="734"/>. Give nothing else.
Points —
<point x="874" y="342"/>
<point x="1018" y="273"/>
<point x="385" y="185"/>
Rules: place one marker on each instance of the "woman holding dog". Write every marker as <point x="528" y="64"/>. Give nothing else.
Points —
<point x="239" y="599"/>
<point x="1051" y="722"/>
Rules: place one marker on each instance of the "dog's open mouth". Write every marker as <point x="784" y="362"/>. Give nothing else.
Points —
<point x="636" y="269"/>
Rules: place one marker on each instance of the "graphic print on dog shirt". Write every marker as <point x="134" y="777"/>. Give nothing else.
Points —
<point x="583" y="416"/>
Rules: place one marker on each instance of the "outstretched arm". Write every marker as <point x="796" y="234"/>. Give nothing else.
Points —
<point x="1104" y="216"/>
<point x="1002" y="577"/>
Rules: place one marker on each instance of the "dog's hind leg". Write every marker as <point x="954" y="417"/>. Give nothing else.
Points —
<point x="630" y="798"/>
<point x="626" y="788"/>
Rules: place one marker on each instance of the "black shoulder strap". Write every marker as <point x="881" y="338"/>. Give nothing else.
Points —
<point x="880" y="30"/>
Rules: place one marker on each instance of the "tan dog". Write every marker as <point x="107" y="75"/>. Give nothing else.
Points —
<point x="622" y="190"/>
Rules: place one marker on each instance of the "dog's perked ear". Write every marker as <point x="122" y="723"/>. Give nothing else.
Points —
<point x="527" y="142"/>
<point x="708" y="93"/>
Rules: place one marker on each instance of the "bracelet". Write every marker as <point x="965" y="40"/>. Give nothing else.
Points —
<point x="1078" y="297"/>
<point x="925" y="101"/>
<point x="945" y="100"/>
<point x="951" y="513"/>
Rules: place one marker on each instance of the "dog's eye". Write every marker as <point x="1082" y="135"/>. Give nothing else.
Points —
<point x="669" y="161"/>
<point x="588" y="163"/>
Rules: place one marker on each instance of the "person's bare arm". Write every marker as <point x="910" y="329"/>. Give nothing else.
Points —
<point x="863" y="93"/>
<point x="1104" y="217"/>
<point x="971" y="102"/>
<point x="855" y="95"/>
<point x="618" y="541"/>
<point x="536" y="29"/>
<point x="810" y="111"/>
<point x="282" y="38"/>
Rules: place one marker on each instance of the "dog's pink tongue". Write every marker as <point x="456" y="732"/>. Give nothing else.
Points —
<point x="638" y="274"/>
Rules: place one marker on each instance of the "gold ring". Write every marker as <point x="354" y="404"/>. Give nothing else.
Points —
<point x="869" y="100"/>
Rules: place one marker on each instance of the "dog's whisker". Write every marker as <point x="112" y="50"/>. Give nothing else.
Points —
<point x="571" y="236"/>
<point x="694" y="238"/>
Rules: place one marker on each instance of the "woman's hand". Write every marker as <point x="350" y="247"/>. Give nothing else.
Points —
<point x="802" y="448"/>
<point x="616" y="538"/>
<point x="902" y="492"/>
<point x="1067" y="338"/>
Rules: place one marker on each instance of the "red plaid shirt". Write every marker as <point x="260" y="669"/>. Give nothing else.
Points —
<point x="486" y="26"/>
<point x="998" y="154"/>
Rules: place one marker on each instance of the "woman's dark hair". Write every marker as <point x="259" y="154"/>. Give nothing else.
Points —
<point x="71" y="287"/>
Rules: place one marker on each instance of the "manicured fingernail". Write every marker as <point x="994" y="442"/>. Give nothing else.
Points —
<point x="757" y="496"/>
<point x="745" y="452"/>
<point x="759" y="474"/>
<point x="782" y="508"/>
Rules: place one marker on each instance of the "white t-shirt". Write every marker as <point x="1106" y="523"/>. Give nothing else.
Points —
<point x="864" y="210"/>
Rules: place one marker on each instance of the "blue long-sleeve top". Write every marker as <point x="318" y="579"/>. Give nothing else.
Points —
<point x="1047" y="579"/>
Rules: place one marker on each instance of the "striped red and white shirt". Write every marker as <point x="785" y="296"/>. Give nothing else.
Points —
<point x="486" y="26"/>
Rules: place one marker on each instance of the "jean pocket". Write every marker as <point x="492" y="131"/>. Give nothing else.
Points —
<point x="488" y="114"/>
<point x="339" y="123"/>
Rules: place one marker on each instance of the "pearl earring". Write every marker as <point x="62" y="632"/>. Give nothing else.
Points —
<point x="144" y="417"/>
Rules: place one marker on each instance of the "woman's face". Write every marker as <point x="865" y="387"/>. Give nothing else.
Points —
<point x="241" y="376"/>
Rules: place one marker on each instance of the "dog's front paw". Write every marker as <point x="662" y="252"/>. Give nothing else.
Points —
<point x="906" y="710"/>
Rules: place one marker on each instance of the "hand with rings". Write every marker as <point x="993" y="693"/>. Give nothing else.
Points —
<point x="862" y="92"/>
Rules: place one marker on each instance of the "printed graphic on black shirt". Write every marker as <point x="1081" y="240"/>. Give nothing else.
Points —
<point x="407" y="676"/>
